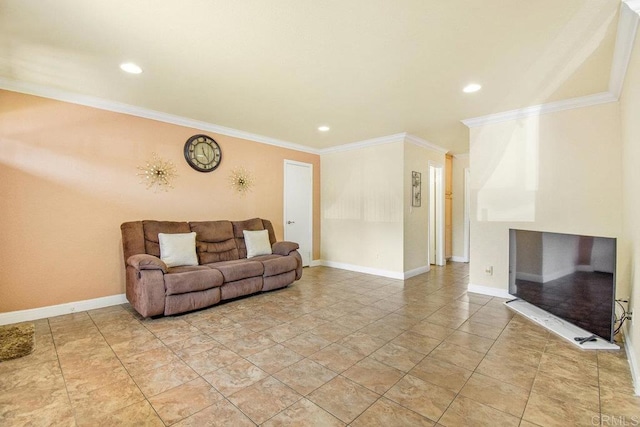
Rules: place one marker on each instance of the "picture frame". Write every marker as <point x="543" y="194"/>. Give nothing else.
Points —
<point x="416" y="189"/>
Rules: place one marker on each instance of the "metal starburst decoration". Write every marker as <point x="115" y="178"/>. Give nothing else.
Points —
<point x="158" y="174"/>
<point x="241" y="180"/>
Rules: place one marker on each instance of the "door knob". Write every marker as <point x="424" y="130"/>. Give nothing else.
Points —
<point x="291" y="222"/>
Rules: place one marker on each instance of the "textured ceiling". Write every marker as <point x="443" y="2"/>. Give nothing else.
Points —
<point x="281" y="68"/>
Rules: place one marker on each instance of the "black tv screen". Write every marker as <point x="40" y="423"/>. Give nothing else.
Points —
<point x="570" y="276"/>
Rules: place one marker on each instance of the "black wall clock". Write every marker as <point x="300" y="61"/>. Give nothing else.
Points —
<point x="202" y="153"/>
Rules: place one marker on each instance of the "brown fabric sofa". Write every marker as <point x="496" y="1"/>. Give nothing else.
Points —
<point x="224" y="271"/>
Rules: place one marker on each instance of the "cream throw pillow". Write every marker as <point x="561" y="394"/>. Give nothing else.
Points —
<point x="178" y="249"/>
<point x="257" y="243"/>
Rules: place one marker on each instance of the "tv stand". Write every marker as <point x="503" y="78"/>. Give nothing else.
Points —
<point x="560" y="327"/>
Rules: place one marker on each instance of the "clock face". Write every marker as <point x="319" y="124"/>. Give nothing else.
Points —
<point x="202" y="153"/>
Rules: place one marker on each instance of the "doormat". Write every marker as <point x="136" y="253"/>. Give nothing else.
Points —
<point x="17" y="340"/>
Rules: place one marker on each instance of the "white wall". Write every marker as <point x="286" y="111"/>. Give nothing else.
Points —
<point x="368" y="223"/>
<point x="558" y="172"/>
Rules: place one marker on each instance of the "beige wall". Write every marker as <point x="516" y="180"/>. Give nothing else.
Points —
<point x="368" y="223"/>
<point x="416" y="219"/>
<point x="68" y="180"/>
<point x="362" y="207"/>
<point x="557" y="172"/>
<point x="460" y="163"/>
<point x="629" y="262"/>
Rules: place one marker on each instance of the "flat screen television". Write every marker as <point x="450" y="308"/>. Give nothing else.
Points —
<point x="567" y="275"/>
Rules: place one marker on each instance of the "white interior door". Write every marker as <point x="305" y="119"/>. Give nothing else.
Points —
<point x="298" y="206"/>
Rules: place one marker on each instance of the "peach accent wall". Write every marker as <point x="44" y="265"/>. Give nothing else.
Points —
<point x="68" y="179"/>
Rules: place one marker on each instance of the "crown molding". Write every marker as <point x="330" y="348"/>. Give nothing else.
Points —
<point x="536" y="110"/>
<point x="625" y="38"/>
<point x="462" y="156"/>
<point x="634" y="5"/>
<point x="424" y="143"/>
<point x="118" y="107"/>
<point x="397" y="137"/>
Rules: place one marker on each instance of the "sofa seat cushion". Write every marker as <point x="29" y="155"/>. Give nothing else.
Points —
<point x="191" y="281"/>
<point x="238" y="269"/>
<point x="276" y="264"/>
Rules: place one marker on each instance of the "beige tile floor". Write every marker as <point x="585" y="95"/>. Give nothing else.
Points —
<point x="336" y="348"/>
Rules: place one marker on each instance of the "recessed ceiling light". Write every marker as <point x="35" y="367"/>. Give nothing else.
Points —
<point x="130" y="67"/>
<point x="323" y="128"/>
<point x="472" y="87"/>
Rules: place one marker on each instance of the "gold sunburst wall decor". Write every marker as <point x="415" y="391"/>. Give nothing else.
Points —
<point x="241" y="180"/>
<point x="158" y="174"/>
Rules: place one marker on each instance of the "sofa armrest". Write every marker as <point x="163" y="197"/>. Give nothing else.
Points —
<point x="284" y="248"/>
<point x="146" y="262"/>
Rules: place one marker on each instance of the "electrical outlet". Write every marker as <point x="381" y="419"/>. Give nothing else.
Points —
<point x="488" y="270"/>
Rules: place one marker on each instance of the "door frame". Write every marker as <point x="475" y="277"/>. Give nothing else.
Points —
<point x="284" y="212"/>
<point x="439" y="211"/>
<point x="467" y="214"/>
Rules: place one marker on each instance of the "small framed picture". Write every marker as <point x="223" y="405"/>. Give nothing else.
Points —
<point x="416" y="189"/>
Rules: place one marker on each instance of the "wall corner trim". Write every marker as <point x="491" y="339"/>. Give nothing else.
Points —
<point x="487" y="290"/>
<point x="632" y="357"/>
<point x="60" y="309"/>
<point x="416" y="271"/>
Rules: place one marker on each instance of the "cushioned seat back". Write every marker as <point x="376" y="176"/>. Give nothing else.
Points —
<point x="254" y="224"/>
<point x="152" y="228"/>
<point x="214" y="241"/>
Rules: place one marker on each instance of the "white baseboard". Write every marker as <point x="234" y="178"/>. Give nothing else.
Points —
<point x="361" y="269"/>
<point x="632" y="357"/>
<point x="486" y="290"/>
<point x="315" y="263"/>
<point x="459" y="259"/>
<point x="416" y="271"/>
<point x="60" y="309"/>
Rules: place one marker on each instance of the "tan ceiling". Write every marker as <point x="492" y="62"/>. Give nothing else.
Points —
<point x="281" y="68"/>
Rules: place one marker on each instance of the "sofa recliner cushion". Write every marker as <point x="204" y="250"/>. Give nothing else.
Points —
<point x="192" y="281"/>
<point x="238" y="269"/>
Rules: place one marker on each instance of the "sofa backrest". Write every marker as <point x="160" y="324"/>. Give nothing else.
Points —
<point x="215" y="240"/>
